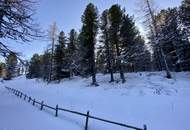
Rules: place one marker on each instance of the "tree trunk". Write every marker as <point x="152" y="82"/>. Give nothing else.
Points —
<point x="119" y="64"/>
<point x="51" y="64"/>
<point x="168" y="74"/>
<point x="109" y="59"/>
<point x="93" y="70"/>
<point x="158" y="62"/>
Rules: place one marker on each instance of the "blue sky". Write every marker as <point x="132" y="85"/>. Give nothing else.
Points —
<point x="67" y="15"/>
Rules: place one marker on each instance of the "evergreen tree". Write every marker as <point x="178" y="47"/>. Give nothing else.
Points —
<point x="132" y="44"/>
<point x="72" y="52"/>
<point x="137" y="56"/>
<point x="115" y="18"/>
<point x="34" y="70"/>
<point x="122" y="44"/>
<point x="88" y="35"/>
<point x="46" y="59"/>
<point x="11" y="65"/>
<point x="104" y="26"/>
<point x="82" y="62"/>
<point x="173" y="41"/>
<point x="101" y="60"/>
<point x="2" y="68"/>
<point x="60" y="57"/>
<point x="184" y="14"/>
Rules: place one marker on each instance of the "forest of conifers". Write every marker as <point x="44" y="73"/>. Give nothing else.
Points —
<point x="110" y="42"/>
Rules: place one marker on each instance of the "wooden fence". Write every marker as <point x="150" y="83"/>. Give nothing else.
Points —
<point x="59" y="109"/>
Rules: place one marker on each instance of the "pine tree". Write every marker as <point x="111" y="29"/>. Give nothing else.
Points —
<point x="131" y="41"/>
<point x="46" y="59"/>
<point x="2" y="68"/>
<point x="101" y="60"/>
<point x="11" y="66"/>
<point x="34" y="70"/>
<point x="60" y="57"/>
<point x="115" y="18"/>
<point x="173" y="40"/>
<point x="184" y="14"/>
<point x="138" y="57"/>
<point x="104" y="26"/>
<point x="72" y="52"/>
<point x="82" y="61"/>
<point x="88" y="34"/>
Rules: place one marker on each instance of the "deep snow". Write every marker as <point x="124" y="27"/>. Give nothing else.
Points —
<point x="146" y="98"/>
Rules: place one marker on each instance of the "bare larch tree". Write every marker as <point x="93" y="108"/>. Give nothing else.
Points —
<point x="17" y="24"/>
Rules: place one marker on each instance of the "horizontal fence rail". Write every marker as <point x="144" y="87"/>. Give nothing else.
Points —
<point x="57" y="108"/>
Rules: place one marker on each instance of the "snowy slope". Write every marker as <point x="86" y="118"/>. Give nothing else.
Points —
<point x="146" y="98"/>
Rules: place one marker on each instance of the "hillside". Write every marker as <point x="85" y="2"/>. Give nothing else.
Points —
<point x="146" y="98"/>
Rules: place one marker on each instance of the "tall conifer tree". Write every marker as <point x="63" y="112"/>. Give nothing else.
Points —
<point x="89" y="32"/>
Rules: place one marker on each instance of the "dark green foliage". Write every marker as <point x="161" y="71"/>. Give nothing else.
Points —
<point x="101" y="61"/>
<point x="45" y="67"/>
<point x="34" y="67"/>
<point x="60" y="61"/>
<point x="2" y="69"/>
<point x="11" y="66"/>
<point x="184" y="14"/>
<point x="115" y="18"/>
<point x="128" y="33"/>
<point x="105" y="53"/>
<point x="72" y="42"/>
<point x="72" y="52"/>
<point x="88" y="40"/>
<point x="121" y="47"/>
<point x="173" y="40"/>
<point x="137" y="56"/>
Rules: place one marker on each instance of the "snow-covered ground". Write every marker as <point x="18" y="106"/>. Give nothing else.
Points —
<point x="146" y="98"/>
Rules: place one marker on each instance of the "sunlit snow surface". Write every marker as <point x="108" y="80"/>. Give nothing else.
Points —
<point x="146" y="98"/>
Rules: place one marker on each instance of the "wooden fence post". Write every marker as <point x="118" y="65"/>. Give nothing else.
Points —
<point x="145" y="127"/>
<point x="42" y="104"/>
<point x="33" y="102"/>
<point x="29" y="99"/>
<point x="56" y="111"/>
<point x="25" y="97"/>
<point x="86" y="124"/>
<point x="20" y="94"/>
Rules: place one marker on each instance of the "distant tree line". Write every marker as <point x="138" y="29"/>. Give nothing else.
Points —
<point x="112" y="44"/>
